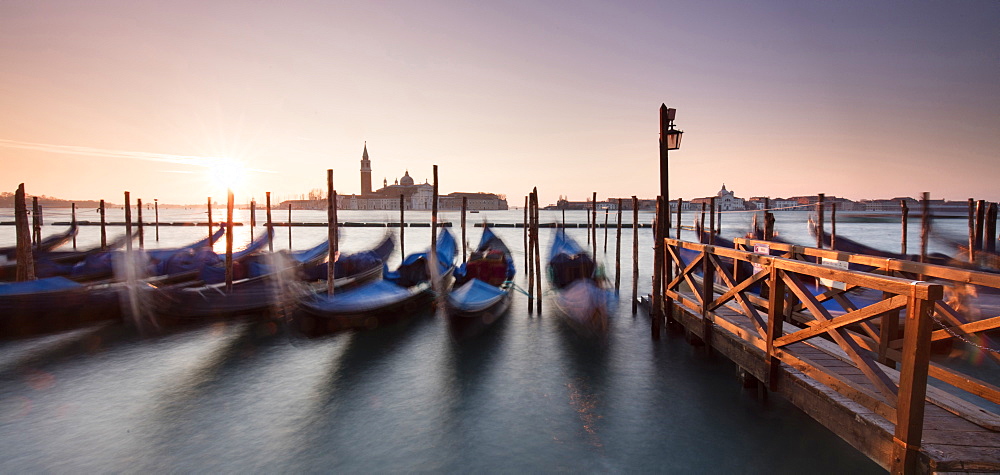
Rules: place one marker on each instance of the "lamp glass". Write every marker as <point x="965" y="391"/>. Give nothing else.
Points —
<point x="674" y="139"/>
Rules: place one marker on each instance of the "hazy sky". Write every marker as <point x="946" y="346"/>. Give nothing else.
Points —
<point x="848" y="98"/>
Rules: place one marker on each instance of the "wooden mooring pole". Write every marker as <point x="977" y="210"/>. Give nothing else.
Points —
<point x="138" y="213"/>
<point x="537" y="251"/>
<point x="680" y="204"/>
<point x="402" y="225"/>
<point x="289" y="226"/>
<point x="156" y="218"/>
<point x="527" y="259"/>
<point x="331" y="232"/>
<point x="465" y="204"/>
<point x="229" y="240"/>
<point x="833" y="226"/>
<point x="990" y="239"/>
<point x="711" y="221"/>
<point x="980" y="221"/>
<point x="606" y="211"/>
<point x="434" y="217"/>
<point x="635" y="255"/>
<point x="36" y="223"/>
<point x="593" y="229"/>
<point x="820" y="228"/>
<point x="905" y="213"/>
<point x="210" y="217"/>
<point x="72" y="211"/>
<point x="618" y="249"/>
<point x="104" y="231"/>
<point x="270" y="224"/>
<point x="128" y="226"/>
<point x="972" y="230"/>
<point x="25" y="261"/>
<point x="253" y="217"/>
<point x="925" y="224"/>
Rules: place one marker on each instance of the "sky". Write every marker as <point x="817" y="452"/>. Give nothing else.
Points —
<point x="179" y="100"/>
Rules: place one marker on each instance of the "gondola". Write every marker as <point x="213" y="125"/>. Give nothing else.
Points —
<point x="483" y="286"/>
<point x="582" y="292"/>
<point x="259" y="284"/>
<point x="398" y="295"/>
<point x="54" y="263"/>
<point x="55" y="304"/>
<point x="47" y="244"/>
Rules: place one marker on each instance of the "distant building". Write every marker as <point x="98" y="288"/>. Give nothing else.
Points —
<point x="725" y="200"/>
<point x="414" y="196"/>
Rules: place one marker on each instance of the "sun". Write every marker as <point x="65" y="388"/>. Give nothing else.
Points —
<point x="228" y="173"/>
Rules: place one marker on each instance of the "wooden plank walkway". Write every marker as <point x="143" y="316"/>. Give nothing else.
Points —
<point x="831" y="379"/>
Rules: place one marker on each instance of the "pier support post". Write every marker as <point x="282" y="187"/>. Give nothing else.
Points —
<point x="775" y="318"/>
<point x="656" y="311"/>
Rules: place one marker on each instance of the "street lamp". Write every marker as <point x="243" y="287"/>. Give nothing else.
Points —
<point x="670" y="139"/>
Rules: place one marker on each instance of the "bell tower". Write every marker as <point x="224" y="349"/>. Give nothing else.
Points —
<point x="366" y="172"/>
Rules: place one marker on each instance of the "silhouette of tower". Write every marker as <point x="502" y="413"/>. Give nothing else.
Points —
<point x="366" y="172"/>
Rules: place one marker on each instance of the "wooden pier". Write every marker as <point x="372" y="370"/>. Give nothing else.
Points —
<point x="850" y="347"/>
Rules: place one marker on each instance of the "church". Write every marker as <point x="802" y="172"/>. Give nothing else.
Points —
<point x="414" y="196"/>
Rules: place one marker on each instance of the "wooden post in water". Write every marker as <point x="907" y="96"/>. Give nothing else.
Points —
<point x="253" y="216"/>
<point x="527" y="259"/>
<point x="537" y="252"/>
<point x="593" y="212"/>
<point x="711" y="221"/>
<point x="289" y="226"/>
<point x="668" y="265"/>
<point x="833" y="226"/>
<point x="72" y="211"/>
<point x="434" y="217"/>
<point x="820" y="228"/>
<point x="331" y="232"/>
<point x="635" y="254"/>
<point x="402" y="225"/>
<point x="680" y="204"/>
<point x="972" y="230"/>
<point x="588" y="225"/>
<point x="25" y="261"/>
<point x="768" y="226"/>
<point x="701" y="226"/>
<point x="465" y="205"/>
<point x="229" y="240"/>
<point x="656" y="307"/>
<point x="529" y="254"/>
<point x="925" y="225"/>
<point x="270" y="224"/>
<point x="990" y="239"/>
<point x="905" y="213"/>
<point x="980" y="221"/>
<point x="210" y="224"/>
<point x="618" y="249"/>
<point x="36" y="224"/>
<point x="156" y="217"/>
<point x="606" y="211"/>
<point x="128" y="226"/>
<point x="104" y="231"/>
<point x="138" y="212"/>
<point x="718" y="222"/>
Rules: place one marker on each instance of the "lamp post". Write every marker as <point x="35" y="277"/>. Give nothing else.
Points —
<point x="670" y="139"/>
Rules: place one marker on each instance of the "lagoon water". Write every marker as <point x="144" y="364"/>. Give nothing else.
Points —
<point x="528" y="395"/>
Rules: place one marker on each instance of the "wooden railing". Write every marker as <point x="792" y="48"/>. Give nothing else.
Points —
<point x="780" y="306"/>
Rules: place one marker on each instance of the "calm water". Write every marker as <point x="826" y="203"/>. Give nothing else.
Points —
<point x="527" y="395"/>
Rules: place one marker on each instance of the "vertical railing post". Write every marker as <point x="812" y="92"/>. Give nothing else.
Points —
<point x="888" y="331"/>
<point x="775" y="314"/>
<point x="913" y="381"/>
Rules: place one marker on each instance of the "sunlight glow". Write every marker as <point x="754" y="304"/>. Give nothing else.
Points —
<point x="227" y="173"/>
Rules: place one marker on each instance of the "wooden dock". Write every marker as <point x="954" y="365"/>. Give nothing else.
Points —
<point x="850" y="347"/>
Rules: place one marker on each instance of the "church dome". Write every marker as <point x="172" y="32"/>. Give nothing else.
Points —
<point x="406" y="180"/>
